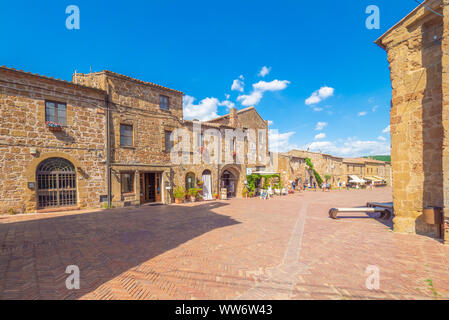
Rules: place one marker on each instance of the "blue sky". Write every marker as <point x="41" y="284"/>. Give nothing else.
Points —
<point x="202" y="47"/>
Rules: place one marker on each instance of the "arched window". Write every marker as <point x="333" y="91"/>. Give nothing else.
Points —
<point x="190" y="180"/>
<point x="56" y="183"/>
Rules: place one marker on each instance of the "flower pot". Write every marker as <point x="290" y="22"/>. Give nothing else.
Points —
<point x="55" y="129"/>
<point x="178" y="200"/>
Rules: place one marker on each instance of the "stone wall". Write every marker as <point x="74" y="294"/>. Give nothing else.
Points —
<point x="415" y="56"/>
<point x="25" y="140"/>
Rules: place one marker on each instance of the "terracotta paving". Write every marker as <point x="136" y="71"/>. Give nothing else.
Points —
<point x="283" y="248"/>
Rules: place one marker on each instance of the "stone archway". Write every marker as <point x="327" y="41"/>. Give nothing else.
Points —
<point x="56" y="184"/>
<point x="229" y="179"/>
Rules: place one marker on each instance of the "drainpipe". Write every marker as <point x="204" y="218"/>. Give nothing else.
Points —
<point x="108" y="144"/>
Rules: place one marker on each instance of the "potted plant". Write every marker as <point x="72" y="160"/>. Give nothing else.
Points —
<point x="215" y="195"/>
<point x="192" y="193"/>
<point x="53" y="126"/>
<point x="179" y="194"/>
<point x="199" y="195"/>
<point x="245" y="192"/>
<point x="200" y="183"/>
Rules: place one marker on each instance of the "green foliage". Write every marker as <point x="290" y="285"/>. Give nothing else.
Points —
<point x="309" y="163"/>
<point x="318" y="178"/>
<point x="193" y="192"/>
<point x="380" y="158"/>
<point x="327" y="177"/>
<point x="179" y="193"/>
<point x="106" y="206"/>
<point x="266" y="183"/>
<point x="431" y="287"/>
<point x="253" y="180"/>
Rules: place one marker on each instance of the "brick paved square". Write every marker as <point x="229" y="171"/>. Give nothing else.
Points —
<point x="283" y="248"/>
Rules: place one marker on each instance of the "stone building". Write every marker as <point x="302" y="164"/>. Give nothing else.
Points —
<point x="56" y="143"/>
<point x="419" y="119"/>
<point x="339" y="169"/>
<point x="324" y="164"/>
<point x="44" y="167"/>
<point x="233" y="162"/>
<point x="143" y="115"/>
<point x="106" y="138"/>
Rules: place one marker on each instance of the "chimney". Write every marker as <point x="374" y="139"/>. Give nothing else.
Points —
<point x="233" y="120"/>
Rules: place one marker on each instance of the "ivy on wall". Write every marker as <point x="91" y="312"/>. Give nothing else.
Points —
<point x="315" y="173"/>
<point x="254" y="179"/>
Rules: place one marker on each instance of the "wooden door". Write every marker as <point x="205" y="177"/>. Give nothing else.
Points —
<point x="158" y="187"/>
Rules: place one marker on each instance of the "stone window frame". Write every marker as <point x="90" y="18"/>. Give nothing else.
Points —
<point x="163" y="130"/>
<point x="132" y="137"/>
<point x="160" y="102"/>
<point x="56" y="103"/>
<point x="132" y="180"/>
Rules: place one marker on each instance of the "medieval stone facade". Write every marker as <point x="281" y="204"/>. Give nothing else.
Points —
<point x="108" y="138"/>
<point x="338" y="170"/>
<point x="419" y="116"/>
<point x="28" y="146"/>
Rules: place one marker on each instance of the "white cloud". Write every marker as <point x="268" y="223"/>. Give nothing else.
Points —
<point x="316" y="109"/>
<point x="238" y="84"/>
<point x="381" y="138"/>
<point x="275" y="85"/>
<point x="251" y="99"/>
<point x="228" y="104"/>
<point x="320" y="136"/>
<point x="375" y="108"/>
<point x="386" y="130"/>
<point x="362" y="114"/>
<point x="322" y="94"/>
<point x="258" y="90"/>
<point x="280" y="142"/>
<point x="264" y="71"/>
<point x="350" y="147"/>
<point x="205" y="110"/>
<point x="320" y="126"/>
<point x="270" y="122"/>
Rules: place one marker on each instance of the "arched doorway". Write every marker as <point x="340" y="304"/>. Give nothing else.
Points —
<point x="229" y="181"/>
<point x="207" y="185"/>
<point x="56" y="184"/>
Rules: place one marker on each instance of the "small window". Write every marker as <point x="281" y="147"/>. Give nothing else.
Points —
<point x="56" y="112"/>
<point x="163" y="102"/>
<point x="127" y="182"/>
<point x="190" y="180"/>
<point x="126" y="135"/>
<point x="168" y="142"/>
<point x="200" y="139"/>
